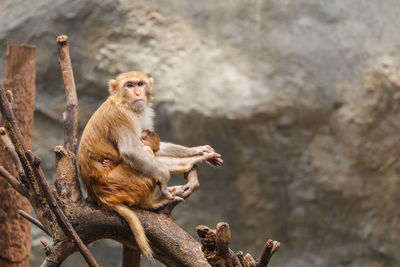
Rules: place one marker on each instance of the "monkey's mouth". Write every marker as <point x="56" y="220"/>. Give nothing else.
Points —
<point x="138" y="102"/>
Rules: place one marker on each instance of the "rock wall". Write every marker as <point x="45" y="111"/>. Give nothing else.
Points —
<point x="300" y="97"/>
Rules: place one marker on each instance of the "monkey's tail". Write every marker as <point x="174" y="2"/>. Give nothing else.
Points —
<point x="137" y="229"/>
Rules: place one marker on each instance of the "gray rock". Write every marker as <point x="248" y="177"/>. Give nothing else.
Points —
<point x="300" y="97"/>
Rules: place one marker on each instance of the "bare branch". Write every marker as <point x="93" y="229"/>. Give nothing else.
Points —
<point x="38" y="179"/>
<point x="62" y="219"/>
<point x="46" y="247"/>
<point x="270" y="248"/>
<point x="217" y="252"/>
<point x="17" y="140"/>
<point x="71" y="113"/>
<point x="14" y="156"/>
<point x="33" y="220"/>
<point x="10" y="98"/>
<point x="223" y="238"/>
<point x="13" y="182"/>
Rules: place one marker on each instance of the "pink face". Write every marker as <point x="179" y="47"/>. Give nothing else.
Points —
<point x="135" y="91"/>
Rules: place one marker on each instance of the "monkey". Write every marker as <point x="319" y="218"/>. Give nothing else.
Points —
<point x="113" y="133"/>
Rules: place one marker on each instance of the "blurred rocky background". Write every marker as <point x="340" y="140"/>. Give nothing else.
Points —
<point x="302" y="99"/>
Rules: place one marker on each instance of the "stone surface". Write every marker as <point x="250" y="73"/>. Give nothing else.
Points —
<point x="300" y="97"/>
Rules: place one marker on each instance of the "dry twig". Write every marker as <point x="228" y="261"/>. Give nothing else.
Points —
<point x="33" y="220"/>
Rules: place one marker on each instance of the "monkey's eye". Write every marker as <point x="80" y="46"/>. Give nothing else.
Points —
<point x="130" y="85"/>
<point x="141" y="83"/>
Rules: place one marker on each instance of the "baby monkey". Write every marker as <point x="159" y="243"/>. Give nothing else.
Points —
<point x="151" y="141"/>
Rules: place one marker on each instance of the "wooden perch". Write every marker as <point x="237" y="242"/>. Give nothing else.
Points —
<point x="73" y="221"/>
<point x="216" y="248"/>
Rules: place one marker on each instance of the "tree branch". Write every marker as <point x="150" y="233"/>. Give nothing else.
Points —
<point x="270" y="248"/>
<point x="14" y="156"/>
<point x="170" y="243"/>
<point x="13" y="182"/>
<point x="33" y="220"/>
<point x="71" y="114"/>
<point x="216" y="248"/>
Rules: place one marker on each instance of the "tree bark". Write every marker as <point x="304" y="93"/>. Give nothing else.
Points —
<point x="130" y="257"/>
<point x="15" y="237"/>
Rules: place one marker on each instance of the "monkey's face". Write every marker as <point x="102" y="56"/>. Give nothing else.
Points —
<point x="135" y="93"/>
<point x="151" y="139"/>
<point x="134" y="87"/>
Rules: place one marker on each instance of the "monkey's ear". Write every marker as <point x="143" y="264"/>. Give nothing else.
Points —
<point x="112" y="87"/>
<point x="151" y="80"/>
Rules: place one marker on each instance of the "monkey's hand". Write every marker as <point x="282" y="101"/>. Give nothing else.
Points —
<point x="214" y="160"/>
<point x="200" y="150"/>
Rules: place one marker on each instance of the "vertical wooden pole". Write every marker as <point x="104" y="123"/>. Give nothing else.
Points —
<point x="130" y="258"/>
<point x="15" y="238"/>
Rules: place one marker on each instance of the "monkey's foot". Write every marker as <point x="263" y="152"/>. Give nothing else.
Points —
<point x="178" y="190"/>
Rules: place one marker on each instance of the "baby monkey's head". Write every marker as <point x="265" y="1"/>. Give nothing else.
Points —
<point x="151" y="139"/>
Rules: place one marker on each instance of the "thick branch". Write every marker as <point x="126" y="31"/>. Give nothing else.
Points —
<point x="71" y="113"/>
<point x="172" y="245"/>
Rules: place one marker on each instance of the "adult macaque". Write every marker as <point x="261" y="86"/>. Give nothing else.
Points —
<point x="113" y="133"/>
